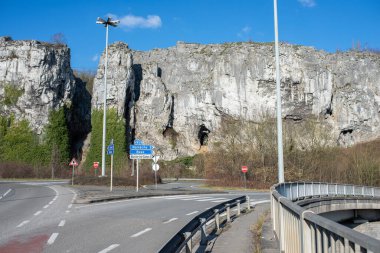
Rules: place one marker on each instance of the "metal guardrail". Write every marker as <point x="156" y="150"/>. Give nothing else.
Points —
<point x="301" y="230"/>
<point x="184" y="239"/>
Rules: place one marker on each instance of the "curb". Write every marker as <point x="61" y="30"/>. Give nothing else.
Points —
<point x="119" y="197"/>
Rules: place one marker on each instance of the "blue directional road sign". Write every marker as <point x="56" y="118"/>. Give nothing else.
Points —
<point x="141" y="152"/>
<point x="138" y="142"/>
<point x="141" y="147"/>
<point x="110" y="149"/>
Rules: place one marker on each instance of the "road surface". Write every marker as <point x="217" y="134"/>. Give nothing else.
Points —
<point x="41" y="217"/>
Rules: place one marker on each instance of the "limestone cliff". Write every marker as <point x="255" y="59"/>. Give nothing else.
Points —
<point x="176" y="96"/>
<point x="41" y="79"/>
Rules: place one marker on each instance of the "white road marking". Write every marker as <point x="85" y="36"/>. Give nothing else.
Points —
<point x="213" y="199"/>
<point x="55" y="198"/>
<point x="52" y="238"/>
<point x="141" y="232"/>
<point x="205" y="198"/>
<point x="62" y="223"/>
<point x="172" y="219"/>
<point x="22" y="223"/>
<point x="46" y="206"/>
<point x="51" y="202"/>
<point x="110" y="202"/>
<point x="69" y="206"/>
<point x="5" y="194"/>
<point x="67" y="211"/>
<point x="113" y="246"/>
<point x="193" y="213"/>
<point x="173" y="197"/>
<point x="37" y="213"/>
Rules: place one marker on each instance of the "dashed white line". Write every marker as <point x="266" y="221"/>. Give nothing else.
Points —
<point x="67" y="211"/>
<point x="69" y="206"/>
<point x="46" y="206"/>
<point x="193" y="213"/>
<point x="51" y="202"/>
<point x="37" y="213"/>
<point x="5" y="194"/>
<point x="141" y="232"/>
<point x="62" y="223"/>
<point x="52" y="238"/>
<point x="212" y="199"/>
<point x="22" y="223"/>
<point x="172" y="219"/>
<point x="113" y="246"/>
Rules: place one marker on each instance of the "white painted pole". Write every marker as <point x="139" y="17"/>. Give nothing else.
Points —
<point x="278" y="94"/>
<point x="137" y="175"/>
<point x="111" y="171"/>
<point x="155" y="178"/>
<point x="105" y="109"/>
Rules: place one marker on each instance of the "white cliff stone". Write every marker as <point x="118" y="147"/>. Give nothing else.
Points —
<point x="184" y="87"/>
<point x="42" y="72"/>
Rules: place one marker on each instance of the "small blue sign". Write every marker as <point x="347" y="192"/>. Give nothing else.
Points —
<point x="141" y="147"/>
<point x="138" y="142"/>
<point x="110" y="149"/>
<point x="141" y="152"/>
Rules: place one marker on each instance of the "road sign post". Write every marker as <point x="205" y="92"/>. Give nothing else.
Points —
<point x="139" y="151"/>
<point x="155" y="168"/>
<point x="244" y="169"/>
<point x="110" y="151"/>
<point x="73" y="163"/>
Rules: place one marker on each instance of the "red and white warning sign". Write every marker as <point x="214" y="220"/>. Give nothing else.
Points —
<point x="73" y="162"/>
<point x="244" y="169"/>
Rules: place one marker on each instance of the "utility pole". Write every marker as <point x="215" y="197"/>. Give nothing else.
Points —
<point x="107" y="23"/>
<point x="278" y="95"/>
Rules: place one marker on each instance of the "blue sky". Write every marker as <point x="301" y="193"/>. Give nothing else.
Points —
<point x="148" y="24"/>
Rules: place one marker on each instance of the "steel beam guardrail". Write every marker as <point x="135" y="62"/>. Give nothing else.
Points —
<point x="183" y="240"/>
<point x="301" y="230"/>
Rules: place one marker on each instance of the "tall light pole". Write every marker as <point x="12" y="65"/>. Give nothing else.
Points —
<point x="107" y="23"/>
<point x="278" y="95"/>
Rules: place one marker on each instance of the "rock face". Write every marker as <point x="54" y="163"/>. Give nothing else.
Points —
<point x="176" y="97"/>
<point x="42" y="75"/>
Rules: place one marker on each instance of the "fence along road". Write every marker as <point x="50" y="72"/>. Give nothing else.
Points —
<point x="301" y="230"/>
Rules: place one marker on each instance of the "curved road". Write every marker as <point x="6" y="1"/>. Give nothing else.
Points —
<point x="41" y="217"/>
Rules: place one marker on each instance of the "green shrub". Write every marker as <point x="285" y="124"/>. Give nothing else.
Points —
<point x="11" y="95"/>
<point x="57" y="136"/>
<point x="116" y="131"/>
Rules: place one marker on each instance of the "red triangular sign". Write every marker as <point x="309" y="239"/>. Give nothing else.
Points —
<point x="73" y="162"/>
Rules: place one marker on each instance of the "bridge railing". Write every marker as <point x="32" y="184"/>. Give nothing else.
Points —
<point x="195" y="233"/>
<point x="301" y="230"/>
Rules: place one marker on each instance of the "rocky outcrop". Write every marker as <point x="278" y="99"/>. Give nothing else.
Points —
<point x="181" y="94"/>
<point x="35" y="78"/>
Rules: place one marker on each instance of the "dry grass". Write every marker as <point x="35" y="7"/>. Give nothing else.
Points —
<point x="257" y="230"/>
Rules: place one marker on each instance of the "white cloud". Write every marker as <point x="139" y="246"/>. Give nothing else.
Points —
<point x="246" y="30"/>
<point x="307" y="3"/>
<point x="132" y="21"/>
<point x="95" y="57"/>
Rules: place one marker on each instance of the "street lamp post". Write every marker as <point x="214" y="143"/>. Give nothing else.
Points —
<point x="107" y="23"/>
<point x="278" y="95"/>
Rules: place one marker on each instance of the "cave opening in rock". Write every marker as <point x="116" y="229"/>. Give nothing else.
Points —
<point x="203" y="135"/>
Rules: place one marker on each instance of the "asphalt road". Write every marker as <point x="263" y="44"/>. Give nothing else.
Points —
<point x="37" y="217"/>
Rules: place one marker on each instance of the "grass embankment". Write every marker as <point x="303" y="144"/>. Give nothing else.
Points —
<point x="257" y="230"/>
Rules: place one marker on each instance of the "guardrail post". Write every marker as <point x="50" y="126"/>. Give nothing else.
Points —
<point x="228" y="213"/>
<point x="189" y="246"/>
<point x="217" y="221"/>
<point x="248" y="203"/>
<point x="238" y="208"/>
<point x="203" y="231"/>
